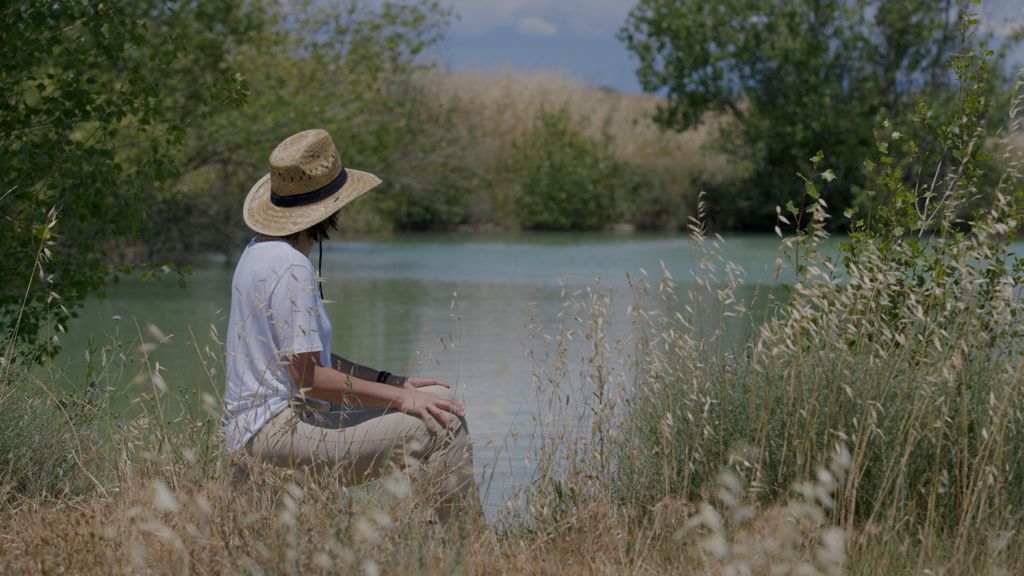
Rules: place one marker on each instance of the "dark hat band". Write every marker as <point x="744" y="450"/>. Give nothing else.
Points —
<point x="325" y="191"/>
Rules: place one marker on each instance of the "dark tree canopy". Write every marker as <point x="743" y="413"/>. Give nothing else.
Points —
<point x="96" y="97"/>
<point x="122" y="128"/>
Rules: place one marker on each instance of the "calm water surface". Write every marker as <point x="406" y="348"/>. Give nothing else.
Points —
<point x="451" y="307"/>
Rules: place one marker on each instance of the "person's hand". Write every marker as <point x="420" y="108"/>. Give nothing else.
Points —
<point x="414" y="383"/>
<point x="435" y="410"/>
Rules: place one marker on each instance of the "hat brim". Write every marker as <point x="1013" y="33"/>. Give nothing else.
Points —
<point x="264" y="217"/>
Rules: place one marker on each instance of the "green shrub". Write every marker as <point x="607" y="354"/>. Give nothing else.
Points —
<point x="426" y="183"/>
<point x="42" y="438"/>
<point x="564" y="180"/>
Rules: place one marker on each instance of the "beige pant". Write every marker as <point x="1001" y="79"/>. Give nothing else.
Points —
<point x="372" y="448"/>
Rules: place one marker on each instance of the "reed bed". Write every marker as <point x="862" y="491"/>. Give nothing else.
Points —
<point x="506" y="104"/>
<point x="500" y="115"/>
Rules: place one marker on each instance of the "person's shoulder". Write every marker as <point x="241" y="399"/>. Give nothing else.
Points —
<point x="281" y="255"/>
<point x="269" y="261"/>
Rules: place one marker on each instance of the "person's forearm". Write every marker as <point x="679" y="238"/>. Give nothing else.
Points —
<point x="332" y="386"/>
<point x="363" y="372"/>
<point x="337" y="387"/>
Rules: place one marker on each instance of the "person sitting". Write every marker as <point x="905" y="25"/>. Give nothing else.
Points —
<point x="288" y="400"/>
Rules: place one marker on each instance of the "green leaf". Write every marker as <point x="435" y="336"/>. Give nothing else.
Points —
<point x="812" y="190"/>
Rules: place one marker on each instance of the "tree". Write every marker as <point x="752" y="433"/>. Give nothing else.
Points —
<point x="96" y="97"/>
<point x="565" y="179"/>
<point x="347" y="66"/>
<point x="790" y="78"/>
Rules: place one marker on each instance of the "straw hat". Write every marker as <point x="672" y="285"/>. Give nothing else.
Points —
<point x="306" y="184"/>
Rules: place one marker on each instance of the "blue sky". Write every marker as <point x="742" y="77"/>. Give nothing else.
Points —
<point x="573" y="36"/>
<point x="576" y="37"/>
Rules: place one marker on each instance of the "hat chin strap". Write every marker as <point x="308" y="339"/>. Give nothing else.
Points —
<point x="320" y="267"/>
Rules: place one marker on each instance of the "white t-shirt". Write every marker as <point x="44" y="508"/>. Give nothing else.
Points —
<point x="276" y="312"/>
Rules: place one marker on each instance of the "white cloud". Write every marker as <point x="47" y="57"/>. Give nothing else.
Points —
<point x="534" y="26"/>
<point x="581" y="17"/>
<point x="480" y="16"/>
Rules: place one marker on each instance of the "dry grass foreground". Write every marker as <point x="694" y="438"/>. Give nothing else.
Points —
<point x="636" y="424"/>
<point x="172" y="515"/>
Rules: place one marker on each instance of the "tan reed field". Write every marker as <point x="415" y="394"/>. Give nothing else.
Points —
<point x="497" y="116"/>
<point x="506" y="103"/>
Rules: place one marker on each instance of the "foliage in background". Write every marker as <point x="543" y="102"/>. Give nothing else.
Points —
<point x="795" y="78"/>
<point x="564" y="179"/>
<point x="96" y="100"/>
<point x="354" y="68"/>
<point x="342" y="66"/>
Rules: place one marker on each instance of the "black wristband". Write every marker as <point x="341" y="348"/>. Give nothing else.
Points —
<point x="382" y="376"/>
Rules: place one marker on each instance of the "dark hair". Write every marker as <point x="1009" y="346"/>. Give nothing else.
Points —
<point x="319" y="231"/>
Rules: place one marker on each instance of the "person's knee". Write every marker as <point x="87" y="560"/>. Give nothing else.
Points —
<point x="460" y="422"/>
<point x="457" y="427"/>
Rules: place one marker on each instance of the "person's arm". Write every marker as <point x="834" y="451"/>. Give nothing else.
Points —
<point x="331" y="385"/>
<point x="370" y="374"/>
<point x="365" y="372"/>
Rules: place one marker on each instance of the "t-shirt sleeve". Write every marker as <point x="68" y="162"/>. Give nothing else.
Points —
<point x="295" y="312"/>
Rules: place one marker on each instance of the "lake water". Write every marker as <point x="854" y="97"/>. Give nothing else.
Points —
<point x="451" y="307"/>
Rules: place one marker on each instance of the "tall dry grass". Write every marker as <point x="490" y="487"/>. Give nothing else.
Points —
<point x="506" y="103"/>
<point x="497" y="114"/>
